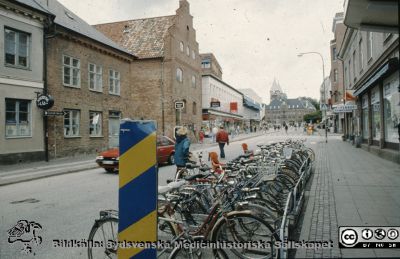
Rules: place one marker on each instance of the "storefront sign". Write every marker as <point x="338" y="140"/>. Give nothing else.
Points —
<point x="215" y="104"/>
<point x="44" y="101"/>
<point x="234" y="107"/>
<point x="345" y="108"/>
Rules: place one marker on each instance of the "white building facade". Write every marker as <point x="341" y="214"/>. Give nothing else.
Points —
<point x="21" y="80"/>
<point x="221" y="103"/>
<point x="371" y="65"/>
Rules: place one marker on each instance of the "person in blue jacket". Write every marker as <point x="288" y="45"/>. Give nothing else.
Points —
<point x="182" y="145"/>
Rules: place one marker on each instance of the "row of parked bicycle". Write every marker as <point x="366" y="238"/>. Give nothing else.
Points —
<point x="235" y="210"/>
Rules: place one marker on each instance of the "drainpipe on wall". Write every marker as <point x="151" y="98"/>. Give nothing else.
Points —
<point x="162" y="98"/>
<point x="46" y="35"/>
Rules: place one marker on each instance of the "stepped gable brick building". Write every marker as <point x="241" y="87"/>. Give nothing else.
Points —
<point x="168" y="68"/>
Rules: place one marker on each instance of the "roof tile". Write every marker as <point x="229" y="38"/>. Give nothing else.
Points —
<point x="143" y="37"/>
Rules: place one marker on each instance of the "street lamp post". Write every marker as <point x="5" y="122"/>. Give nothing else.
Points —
<point x="323" y="81"/>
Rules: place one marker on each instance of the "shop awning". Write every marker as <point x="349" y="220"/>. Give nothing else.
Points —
<point x="250" y="104"/>
<point x="222" y="114"/>
<point x="380" y="73"/>
<point x="379" y="16"/>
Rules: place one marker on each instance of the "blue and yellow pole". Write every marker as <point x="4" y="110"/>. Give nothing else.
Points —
<point x="137" y="188"/>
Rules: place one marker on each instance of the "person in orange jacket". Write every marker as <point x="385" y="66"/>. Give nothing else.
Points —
<point x="222" y="139"/>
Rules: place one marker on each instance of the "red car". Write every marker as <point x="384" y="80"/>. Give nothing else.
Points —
<point x="109" y="159"/>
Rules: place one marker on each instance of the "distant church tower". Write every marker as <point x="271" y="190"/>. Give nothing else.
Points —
<point x="276" y="92"/>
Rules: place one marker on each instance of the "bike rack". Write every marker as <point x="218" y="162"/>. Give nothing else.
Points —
<point x="292" y="209"/>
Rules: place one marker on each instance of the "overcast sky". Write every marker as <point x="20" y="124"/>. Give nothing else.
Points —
<point x="254" y="41"/>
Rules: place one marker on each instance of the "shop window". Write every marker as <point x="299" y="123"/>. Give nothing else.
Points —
<point x="376" y="114"/>
<point x="365" y="122"/>
<point x="391" y="109"/>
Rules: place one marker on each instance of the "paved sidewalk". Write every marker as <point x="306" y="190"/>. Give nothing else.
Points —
<point x="10" y="174"/>
<point x="350" y="187"/>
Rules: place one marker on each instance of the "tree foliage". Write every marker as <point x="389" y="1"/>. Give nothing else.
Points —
<point x="313" y="117"/>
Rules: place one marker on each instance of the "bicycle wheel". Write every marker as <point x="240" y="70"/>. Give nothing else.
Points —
<point x="248" y="236"/>
<point x="103" y="239"/>
<point x="166" y="232"/>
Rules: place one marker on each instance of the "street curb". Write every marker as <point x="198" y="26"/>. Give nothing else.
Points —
<point x="216" y="144"/>
<point x="27" y="178"/>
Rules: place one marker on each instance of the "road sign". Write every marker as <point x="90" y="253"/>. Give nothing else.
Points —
<point x="323" y="107"/>
<point x="137" y="188"/>
<point x="179" y="105"/>
<point x="55" y="113"/>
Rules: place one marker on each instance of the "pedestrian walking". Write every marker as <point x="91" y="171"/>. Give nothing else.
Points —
<point x="286" y="128"/>
<point x="214" y="133"/>
<point x="182" y="146"/>
<point x="222" y="139"/>
<point x="201" y="136"/>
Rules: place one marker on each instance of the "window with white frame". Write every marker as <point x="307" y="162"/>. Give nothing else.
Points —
<point x="18" y="118"/>
<point x="181" y="46"/>
<point x="194" y="81"/>
<point x="188" y="51"/>
<point x="95" y="124"/>
<point x="114" y="82"/>
<point x="361" y="56"/>
<point x="369" y="45"/>
<point x="71" y="71"/>
<point x="95" y="77"/>
<point x="193" y="54"/>
<point x="71" y="123"/>
<point x="179" y="75"/>
<point x="16" y="48"/>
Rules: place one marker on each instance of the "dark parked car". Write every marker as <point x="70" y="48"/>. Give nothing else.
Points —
<point x="109" y="159"/>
